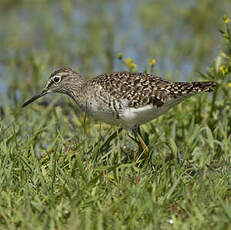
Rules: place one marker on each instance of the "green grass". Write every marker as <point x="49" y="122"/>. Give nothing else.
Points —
<point x="74" y="186"/>
<point x="61" y="170"/>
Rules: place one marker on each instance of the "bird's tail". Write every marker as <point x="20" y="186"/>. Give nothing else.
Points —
<point x="192" y="88"/>
<point x="206" y="86"/>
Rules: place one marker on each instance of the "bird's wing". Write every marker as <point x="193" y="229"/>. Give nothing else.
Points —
<point x="138" y="89"/>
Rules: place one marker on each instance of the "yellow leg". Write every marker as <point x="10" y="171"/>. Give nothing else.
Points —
<point x="145" y="149"/>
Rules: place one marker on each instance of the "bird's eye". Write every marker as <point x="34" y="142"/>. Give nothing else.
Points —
<point x="57" y="79"/>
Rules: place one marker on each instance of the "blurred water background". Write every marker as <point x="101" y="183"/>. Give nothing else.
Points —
<point x="39" y="36"/>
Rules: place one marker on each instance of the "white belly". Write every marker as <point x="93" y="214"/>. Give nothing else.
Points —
<point x="130" y="117"/>
<point x="138" y="116"/>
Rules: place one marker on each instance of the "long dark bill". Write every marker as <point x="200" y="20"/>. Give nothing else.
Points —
<point x="34" y="98"/>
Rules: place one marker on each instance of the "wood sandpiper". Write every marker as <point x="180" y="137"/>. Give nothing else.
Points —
<point x="122" y="98"/>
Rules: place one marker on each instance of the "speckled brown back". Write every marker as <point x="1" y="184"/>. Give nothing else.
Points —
<point x="142" y="89"/>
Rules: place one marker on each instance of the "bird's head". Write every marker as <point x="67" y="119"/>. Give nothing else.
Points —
<point x="60" y="81"/>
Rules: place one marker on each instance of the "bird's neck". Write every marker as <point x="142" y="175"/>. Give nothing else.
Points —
<point x="77" y="92"/>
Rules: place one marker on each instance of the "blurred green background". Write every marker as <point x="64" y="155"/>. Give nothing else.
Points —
<point x="61" y="170"/>
<point x="38" y="37"/>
